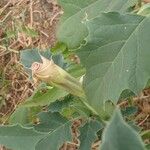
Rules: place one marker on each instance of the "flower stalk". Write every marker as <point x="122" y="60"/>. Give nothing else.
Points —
<point x="51" y="73"/>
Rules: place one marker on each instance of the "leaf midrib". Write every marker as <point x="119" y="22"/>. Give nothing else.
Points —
<point x="119" y="53"/>
<point x="82" y="9"/>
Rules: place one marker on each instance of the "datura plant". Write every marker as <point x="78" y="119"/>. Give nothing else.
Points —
<point x="110" y="39"/>
<point x="51" y="73"/>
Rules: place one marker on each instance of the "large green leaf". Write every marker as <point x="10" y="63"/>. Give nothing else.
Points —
<point x="70" y="105"/>
<point x="19" y="138"/>
<point x="72" y="30"/>
<point x="50" y="121"/>
<point x="88" y="134"/>
<point x="118" y="135"/>
<point x="56" y="138"/>
<point x="116" y="56"/>
<point x="41" y="99"/>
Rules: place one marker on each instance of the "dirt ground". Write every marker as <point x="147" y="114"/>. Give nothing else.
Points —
<point x="26" y="24"/>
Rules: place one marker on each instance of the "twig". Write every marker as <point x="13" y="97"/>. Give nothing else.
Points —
<point x="6" y="16"/>
<point x="31" y="13"/>
<point x="44" y="34"/>
<point x="143" y="120"/>
<point x="5" y="7"/>
<point x="55" y="16"/>
<point x="9" y="49"/>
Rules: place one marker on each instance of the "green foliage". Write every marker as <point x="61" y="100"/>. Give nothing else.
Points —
<point x="70" y="107"/>
<point x="19" y="138"/>
<point x="24" y="115"/>
<point x="50" y="121"/>
<point x="113" y="45"/>
<point x="56" y="138"/>
<point x="20" y="116"/>
<point x="131" y="110"/>
<point x="59" y="105"/>
<point x="145" y="134"/>
<point x="27" y="57"/>
<point x="110" y="63"/>
<point x="77" y="12"/>
<point x="88" y="134"/>
<point x="120" y="136"/>
<point x="42" y="98"/>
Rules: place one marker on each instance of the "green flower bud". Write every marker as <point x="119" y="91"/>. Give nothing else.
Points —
<point x="51" y="73"/>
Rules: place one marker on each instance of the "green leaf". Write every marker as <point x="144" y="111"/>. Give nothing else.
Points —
<point x="59" y="47"/>
<point x="116" y="57"/>
<point x="24" y="115"/>
<point x="59" y="105"/>
<point x="29" y="56"/>
<point x="19" y="138"/>
<point x="126" y="94"/>
<point x="41" y="99"/>
<point x="118" y="135"/>
<point x="56" y="138"/>
<point x="49" y="121"/>
<point x="145" y="134"/>
<point x="131" y="110"/>
<point x="68" y="106"/>
<point x="20" y="116"/>
<point x="76" y="70"/>
<point x="77" y="12"/>
<point x="148" y="146"/>
<point x="88" y="134"/>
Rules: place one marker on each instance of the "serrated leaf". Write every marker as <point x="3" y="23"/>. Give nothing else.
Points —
<point x="68" y="106"/>
<point x="29" y="56"/>
<point x="41" y="99"/>
<point x="88" y="134"/>
<point x="59" y="105"/>
<point x="56" y="138"/>
<point x="76" y="12"/>
<point x="118" y="135"/>
<point x="126" y="94"/>
<point x="19" y="138"/>
<point x="116" y="57"/>
<point x="49" y="121"/>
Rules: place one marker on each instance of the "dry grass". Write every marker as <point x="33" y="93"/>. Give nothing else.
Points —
<point x="24" y="24"/>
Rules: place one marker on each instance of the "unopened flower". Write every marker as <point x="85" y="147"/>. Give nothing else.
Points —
<point x="51" y="73"/>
